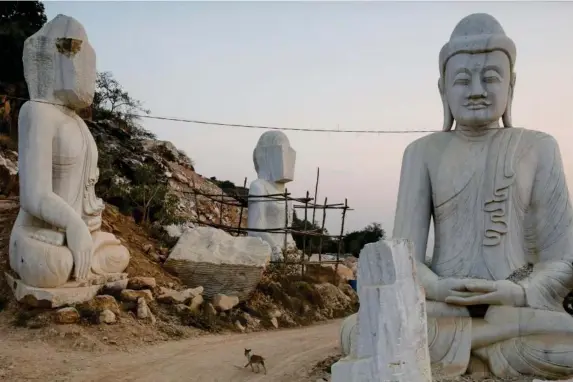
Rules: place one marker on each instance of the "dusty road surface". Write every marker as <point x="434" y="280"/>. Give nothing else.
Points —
<point x="290" y="355"/>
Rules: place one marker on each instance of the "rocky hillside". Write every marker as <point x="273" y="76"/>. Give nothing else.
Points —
<point x="155" y="305"/>
<point x="132" y="163"/>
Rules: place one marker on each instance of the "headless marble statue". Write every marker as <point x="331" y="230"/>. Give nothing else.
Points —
<point x="274" y="161"/>
<point x="500" y="206"/>
<point x="57" y="233"/>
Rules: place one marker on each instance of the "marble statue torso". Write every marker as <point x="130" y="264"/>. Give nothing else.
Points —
<point x="267" y="213"/>
<point x="481" y="190"/>
<point x="74" y="165"/>
<point x="276" y="210"/>
<point x="275" y="215"/>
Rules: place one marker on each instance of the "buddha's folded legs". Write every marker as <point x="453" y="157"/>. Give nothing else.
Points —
<point x="510" y="341"/>
<point x="545" y="356"/>
<point x="449" y="342"/>
<point x="41" y="259"/>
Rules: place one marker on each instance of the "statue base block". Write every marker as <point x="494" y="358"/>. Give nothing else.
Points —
<point x="349" y="369"/>
<point x="389" y="341"/>
<point x="73" y="292"/>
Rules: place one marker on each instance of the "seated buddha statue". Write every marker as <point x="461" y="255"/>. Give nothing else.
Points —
<point x="503" y="253"/>
<point x="57" y="236"/>
<point x="274" y="161"/>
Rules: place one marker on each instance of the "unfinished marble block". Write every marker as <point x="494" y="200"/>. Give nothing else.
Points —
<point x="219" y="262"/>
<point x="71" y="293"/>
<point x="274" y="161"/>
<point x="391" y="336"/>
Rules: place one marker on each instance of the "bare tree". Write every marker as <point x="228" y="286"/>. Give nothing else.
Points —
<point x="111" y="100"/>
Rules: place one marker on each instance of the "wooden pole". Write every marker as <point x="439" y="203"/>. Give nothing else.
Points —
<point x="242" y="208"/>
<point x="340" y="239"/>
<point x="322" y="231"/>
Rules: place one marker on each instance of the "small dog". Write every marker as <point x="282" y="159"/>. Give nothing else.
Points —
<point x="255" y="360"/>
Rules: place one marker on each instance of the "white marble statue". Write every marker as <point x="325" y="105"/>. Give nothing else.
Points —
<point x="390" y="329"/>
<point x="274" y="161"/>
<point x="503" y="252"/>
<point x="57" y="235"/>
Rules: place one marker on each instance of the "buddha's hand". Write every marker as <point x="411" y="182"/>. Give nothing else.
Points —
<point x="441" y="289"/>
<point x="503" y="292"/>
<point x="81" y="245"/>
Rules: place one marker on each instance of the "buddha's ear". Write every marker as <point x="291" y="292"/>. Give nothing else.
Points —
<point x="506" y="117"/>
<point x="448" y="116"/>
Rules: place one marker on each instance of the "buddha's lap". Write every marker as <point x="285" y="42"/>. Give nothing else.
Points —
<point x="543" y="355"/>
<point x="45" y="265"/>
<point x="516" y="340"/>
<point x="528" y="321"/>
<point x="38" y="263"/>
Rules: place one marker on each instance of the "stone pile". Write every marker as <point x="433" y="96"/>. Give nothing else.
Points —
<point x="139" y="296"/>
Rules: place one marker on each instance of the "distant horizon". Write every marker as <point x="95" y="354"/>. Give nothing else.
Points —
<point x="323" y="65"/>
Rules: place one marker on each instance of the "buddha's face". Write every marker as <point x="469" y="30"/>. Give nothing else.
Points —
<point x="477" y="87"/>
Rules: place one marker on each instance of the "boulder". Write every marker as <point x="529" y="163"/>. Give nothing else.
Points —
<point x="139" y="283"/>
<point x="107" y="317"/>
<point x="176" y="230"/>
<point x="195" y="303"/>
<point x="133" y="295"/>
<point x="209" y="313"/>
<point x="239" y="326"/>
<point x="170" y="296"/>
<point x="223" y="302"/>
<point x="275" y="313"/>
<point x="143" y="311"/>
<point x="115" y="287"/>
<point x="68" y="315"/>
<point x="352" y="263"/>
<point x="99" y="304"/>
<point x="221" y="263"/>
<point x="345" y="271"/>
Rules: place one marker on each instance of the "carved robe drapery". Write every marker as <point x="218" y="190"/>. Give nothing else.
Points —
<point x="499" y="200"/>
<point x="92" y="206"/>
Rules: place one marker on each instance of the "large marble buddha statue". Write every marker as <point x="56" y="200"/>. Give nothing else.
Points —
<point x="57" y="236"/>
<point x="503" y="252"/>
<point x="274" y="161"/>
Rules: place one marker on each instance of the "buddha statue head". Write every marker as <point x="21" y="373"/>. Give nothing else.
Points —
<point x="60" y="64"/>
<point x="273" y="157"/>
<point x="477" y="75"/>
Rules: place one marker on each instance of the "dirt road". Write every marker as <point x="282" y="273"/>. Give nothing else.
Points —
<point x="290" y="355"/>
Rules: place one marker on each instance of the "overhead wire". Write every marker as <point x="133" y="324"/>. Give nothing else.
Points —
<point x="246" y="126"/>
